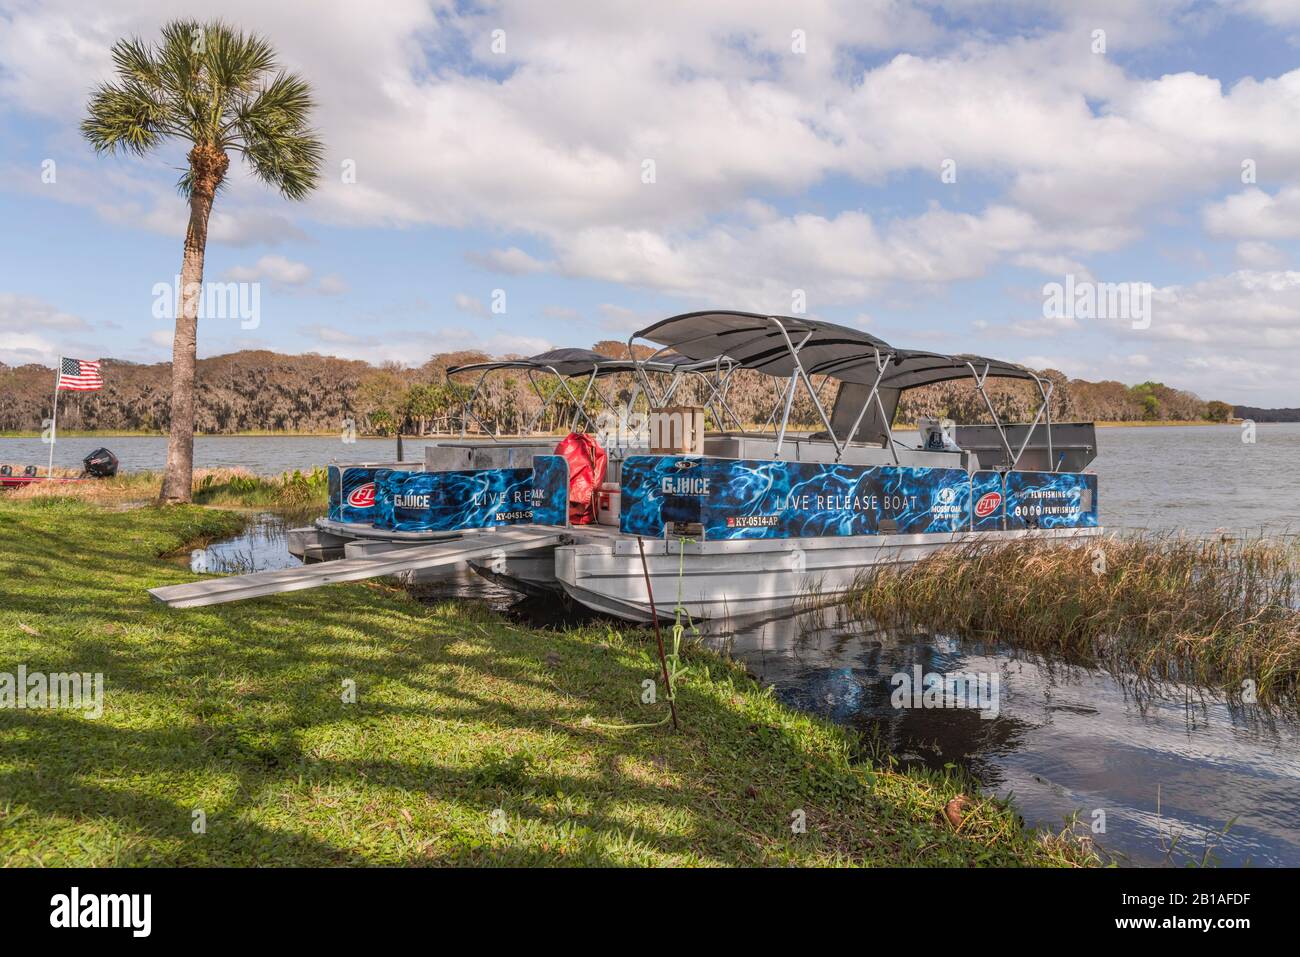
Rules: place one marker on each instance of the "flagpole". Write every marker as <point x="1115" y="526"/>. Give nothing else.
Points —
<point x="54" y="422"/>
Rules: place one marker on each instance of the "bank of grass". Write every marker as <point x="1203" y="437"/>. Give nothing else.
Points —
<point x="1216" y="612"/>
<point x="230" y="488"/>
<point x="471" y="741"/>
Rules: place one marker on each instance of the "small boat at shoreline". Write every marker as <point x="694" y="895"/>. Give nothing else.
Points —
<point x="726" y="523"/>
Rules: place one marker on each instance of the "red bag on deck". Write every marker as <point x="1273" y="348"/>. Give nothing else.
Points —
<point x="587" y="461"/>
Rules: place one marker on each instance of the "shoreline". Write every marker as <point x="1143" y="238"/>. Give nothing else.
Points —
<point x="256" y="434"/>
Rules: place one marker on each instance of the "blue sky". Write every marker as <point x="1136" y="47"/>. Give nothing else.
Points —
<point x="794" y="153"/>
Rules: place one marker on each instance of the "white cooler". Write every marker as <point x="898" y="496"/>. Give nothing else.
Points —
<point x="608" y="501"/>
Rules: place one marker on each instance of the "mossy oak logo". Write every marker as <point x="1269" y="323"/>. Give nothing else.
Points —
<point x="363" y="496"/>
<point x="945" y="503"/>
<point x="988" y="504"/>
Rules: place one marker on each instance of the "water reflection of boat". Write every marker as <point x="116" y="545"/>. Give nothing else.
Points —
<point x="1160" y="761"/>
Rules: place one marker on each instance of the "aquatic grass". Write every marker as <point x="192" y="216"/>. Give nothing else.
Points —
<point x="291" y="490"/>
<point x="1215" y="612"/>
<point x="466" y="743"/>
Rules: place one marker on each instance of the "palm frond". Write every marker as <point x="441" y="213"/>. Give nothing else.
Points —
<point x="270" y="129"/>
<point x="210" y="85"/>
<point x="125" y="118"/>
<point x="135" y="61"/>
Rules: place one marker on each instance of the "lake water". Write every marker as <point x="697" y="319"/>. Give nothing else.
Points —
<point x="1197" y="478"/>
<point x="1167" y="769"/>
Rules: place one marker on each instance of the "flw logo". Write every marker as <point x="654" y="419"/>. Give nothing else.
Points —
<point x="363" y="496"/>
<point x="988" y="504"/>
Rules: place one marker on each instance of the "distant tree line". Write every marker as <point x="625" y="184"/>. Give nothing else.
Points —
<point x="1266" y="415"/>
<point x="264" y="391"/>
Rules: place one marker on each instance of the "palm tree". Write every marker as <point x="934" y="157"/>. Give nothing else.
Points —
<point x="216" y="89"/>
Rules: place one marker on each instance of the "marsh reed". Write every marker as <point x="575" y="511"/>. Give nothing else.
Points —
<point x="1216" y="612"/>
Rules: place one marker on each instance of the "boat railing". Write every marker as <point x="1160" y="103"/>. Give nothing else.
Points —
<point x="794" y="341"/>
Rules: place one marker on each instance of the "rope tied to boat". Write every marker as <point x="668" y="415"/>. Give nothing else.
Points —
<point x="670" y="663"/>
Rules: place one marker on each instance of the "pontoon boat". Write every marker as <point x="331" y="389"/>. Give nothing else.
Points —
<point x="750" y="523"/>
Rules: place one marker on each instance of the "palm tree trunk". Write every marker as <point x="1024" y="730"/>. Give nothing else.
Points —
<point x="208" y="170"/>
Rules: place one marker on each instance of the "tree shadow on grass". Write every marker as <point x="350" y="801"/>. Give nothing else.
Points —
<point x="251" y="685"/>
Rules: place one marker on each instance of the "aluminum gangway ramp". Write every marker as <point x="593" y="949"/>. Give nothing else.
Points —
<point x="216" y="591"/>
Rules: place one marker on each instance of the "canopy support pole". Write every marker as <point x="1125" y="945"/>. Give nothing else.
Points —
<point x="873" y="394"/>
<point x="812" y="393"/>
<point x="979" y="384"/>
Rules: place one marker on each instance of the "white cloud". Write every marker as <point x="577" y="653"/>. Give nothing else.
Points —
<point x="620" y="319"/>
<point x="32" y="330"/>
<point x="540" y="139"/>
<point x="1069" y="154"/>
<point x="1281" y="12"/>
<point x="332" y="285"/>
<point x="22" y="313"/>
<point x="1244" y="311"/>
<point x="470" y="305"/>
<point x="1255" y="214"/>
<point x="833" y="260"/>
<point x="513" y="261"/>
<point x="1253" y="254"/>
<point x="413" y="348"/>
<point x="272" y="268"/>
<point x="1056" y="266"/>
<point x="331" y="335"/>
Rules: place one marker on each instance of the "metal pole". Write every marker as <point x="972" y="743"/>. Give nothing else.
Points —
<point x="54" y="421"/>
<point x="659" y="636"/>
<point x="785" y="416"/>
<point x="800" y="373"/>
<point x="979" y="384"/>
<point x="875" y="388"/>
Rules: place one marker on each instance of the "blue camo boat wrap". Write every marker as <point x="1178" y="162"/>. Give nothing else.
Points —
<point x="922" y="499"/>
<point x="1050" y="500"/>
<point x="741" y="499"/>
<point x="550" y="490"/>
<point x="448" y="501"/>
<point x="352" y="494"/>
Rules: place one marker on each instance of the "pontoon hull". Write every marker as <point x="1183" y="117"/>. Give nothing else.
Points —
<point x="742" y="579"/>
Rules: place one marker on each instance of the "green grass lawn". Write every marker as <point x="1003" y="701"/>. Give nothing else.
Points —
<point x="472" y="741"/>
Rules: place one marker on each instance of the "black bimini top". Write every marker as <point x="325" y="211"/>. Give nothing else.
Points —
<point x="910" y="369"/>
<point x="571" y="363"/>
<point x="758" y="342"/>
<point x="564" y="362"/>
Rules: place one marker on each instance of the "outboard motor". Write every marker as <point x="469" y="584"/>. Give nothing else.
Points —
<point x="100" y="463"/>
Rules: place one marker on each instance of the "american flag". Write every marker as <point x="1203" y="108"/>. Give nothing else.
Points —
<point x="80" y="375"/>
